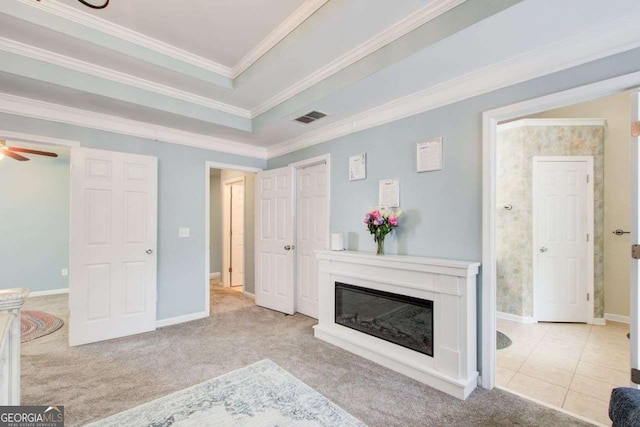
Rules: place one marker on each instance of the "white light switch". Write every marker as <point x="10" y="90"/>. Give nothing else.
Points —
<point x="65" y="272"/>
<point x="183" y="232"/>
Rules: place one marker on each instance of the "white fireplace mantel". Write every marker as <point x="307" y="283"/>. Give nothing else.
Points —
<point x="450" y="284"/>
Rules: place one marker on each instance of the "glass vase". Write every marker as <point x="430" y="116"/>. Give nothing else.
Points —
<point x="380" y="242"/>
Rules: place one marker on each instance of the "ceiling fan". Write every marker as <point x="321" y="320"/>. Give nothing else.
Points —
<point x="13" y="152"/>
<point x="94" y="6"/>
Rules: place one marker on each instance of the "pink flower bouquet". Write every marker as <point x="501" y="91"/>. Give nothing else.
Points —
<point x="381" y="222"/>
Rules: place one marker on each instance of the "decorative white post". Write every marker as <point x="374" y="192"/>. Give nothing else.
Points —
<point x="10" y="302"/>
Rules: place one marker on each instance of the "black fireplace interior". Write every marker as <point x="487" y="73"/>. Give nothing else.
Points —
<point x="399" y="319"/>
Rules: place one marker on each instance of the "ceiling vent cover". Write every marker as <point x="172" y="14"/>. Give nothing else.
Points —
<point x="311" y="116"/>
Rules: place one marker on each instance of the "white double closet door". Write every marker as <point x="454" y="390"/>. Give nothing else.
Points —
<point x="286" y="272"/>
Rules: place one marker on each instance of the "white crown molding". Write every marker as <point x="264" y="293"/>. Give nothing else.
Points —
<point x="71" y="14"/>
<point x="394" y="32"/>
<point x="88" y="20"/>
<point x="551" y="122"/>
<point x="39" y="139"/>
<point x="36" y="53"/>
<point x="26" y="107"/>
<point x="581" y="48"/>
<point x="292" y="22"/>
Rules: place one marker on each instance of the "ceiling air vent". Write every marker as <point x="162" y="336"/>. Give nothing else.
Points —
<point x="311" y="116"/>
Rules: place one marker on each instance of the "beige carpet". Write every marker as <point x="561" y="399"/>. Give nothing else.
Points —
<point x="97" y="380"/>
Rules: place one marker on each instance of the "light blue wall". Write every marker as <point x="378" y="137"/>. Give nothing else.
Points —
<point x="181" y="203"/>
<point x="443" y="210"/>
<point x="34" y="223"/>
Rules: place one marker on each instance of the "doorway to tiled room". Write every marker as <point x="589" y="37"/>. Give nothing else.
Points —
<point x="562" y="243"/>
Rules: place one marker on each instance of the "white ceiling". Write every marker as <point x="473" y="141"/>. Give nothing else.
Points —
<point x="222" y="31"/>
<point x="348" y="58"/>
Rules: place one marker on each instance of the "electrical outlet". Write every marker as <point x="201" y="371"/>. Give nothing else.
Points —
<point x="184" y="232"/>
<point x="65" y="272"/>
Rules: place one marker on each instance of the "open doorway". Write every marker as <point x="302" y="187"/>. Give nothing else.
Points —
<point x="230" y="224"/>
<point x="562" y="216"/>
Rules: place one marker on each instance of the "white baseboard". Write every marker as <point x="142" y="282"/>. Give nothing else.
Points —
<point x="181" y="319"/>
<point x="600" y="321"/>
<point x="47" y="293"/>
<point x="214" y="275"/>
<point x="617" y="318"/>
<point x="515" y="318"/>
<point x="249" y="295"/>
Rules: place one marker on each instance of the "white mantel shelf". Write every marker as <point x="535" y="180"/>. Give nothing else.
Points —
<point x="450" y="284"/>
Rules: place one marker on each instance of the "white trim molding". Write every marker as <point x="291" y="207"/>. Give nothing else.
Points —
<point x="57" y="59"/>
<point x="26" y="137"/>
<point x="27" y="107"/>
<point x="617" y="318"/>
<point x="490" y="120"/>
<point x="293" y="21"/>
<point x="578" y="49"/>
<point x="551" y="122"/>
<point x="390" y="34"/>
<point x="181" y="319"/>
<point x="599" y="321"/>
<point x="249" y="295"/>
<point x="91" y="21"/>
<point x="215" y="275"/>
<point x="515" y="318"/>
<point x="48" y="293"/>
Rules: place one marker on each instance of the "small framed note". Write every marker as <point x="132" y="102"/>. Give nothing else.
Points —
<point x="389" y="195"/>
<point x="358" y="167"/>
<point x="429" y="155"/>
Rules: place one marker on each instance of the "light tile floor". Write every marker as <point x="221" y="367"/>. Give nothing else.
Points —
<point x="571" y="366"/>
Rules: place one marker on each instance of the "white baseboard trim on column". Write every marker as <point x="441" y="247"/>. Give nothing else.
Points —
<point x="599" y="321"/>
<point x="214" y="275"/>
<point x="181" y="319"/>
<point x="515" y="318"/>
<point x="617" y="318"/>
<point x="249" y="295"/>
<point x="47" y="293"/>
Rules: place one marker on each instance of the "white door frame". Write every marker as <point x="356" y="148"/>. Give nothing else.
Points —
<point x="312" y="161"/>
<point x="207" y="221"/>
<point x="225" y="278"/>
<point x="490" y="120"/>
<point x="590" y="229"/>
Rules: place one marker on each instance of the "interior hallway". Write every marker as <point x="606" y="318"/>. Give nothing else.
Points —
<point x="97" y="380"/>
<point x="568" y="365"/>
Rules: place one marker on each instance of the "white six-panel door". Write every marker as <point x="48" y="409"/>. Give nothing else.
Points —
<point x="237" y="234"/>
<point x="562" y="239"/>
<point x="112" y="288"/>
<point x="274" y="242"/>
<point x="312" y="234"/>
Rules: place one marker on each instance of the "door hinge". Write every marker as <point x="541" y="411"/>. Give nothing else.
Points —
<point x="587" y="237"/>
<point x="588" y="296"/>
<point x="635" y="251"/>
<point x="635" y="376"/>
<point x="587" y="179"/>
<point x="635" y="129"/>
<point x="230" y="269"/>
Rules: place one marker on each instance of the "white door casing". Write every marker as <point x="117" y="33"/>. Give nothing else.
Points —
<point x="312" y="233"/>
<point x="112" y="288"/>
<point x="274" y="287"/>
<point x="634" y="309"/>
<point x="237" y="233"/>
<point x="563" y="238"/>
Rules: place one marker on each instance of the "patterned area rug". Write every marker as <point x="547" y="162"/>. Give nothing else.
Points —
<point x="36" y="324"/>
<point x="503" y="341"/>
<point x="262" y="394"/>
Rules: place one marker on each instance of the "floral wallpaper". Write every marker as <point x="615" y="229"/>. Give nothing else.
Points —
<point x="516" y="148"/>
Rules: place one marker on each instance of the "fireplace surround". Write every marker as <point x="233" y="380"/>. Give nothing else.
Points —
<point x="414" y="315"/>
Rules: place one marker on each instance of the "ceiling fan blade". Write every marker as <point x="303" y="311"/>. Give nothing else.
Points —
<point x="14" y="156"/>
<point x="39" y="153"/>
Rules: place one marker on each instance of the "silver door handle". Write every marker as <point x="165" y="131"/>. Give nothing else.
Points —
<point x="149" y="251"/>
<point x="289" y="247"/>
<point x="543" y="249"/>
